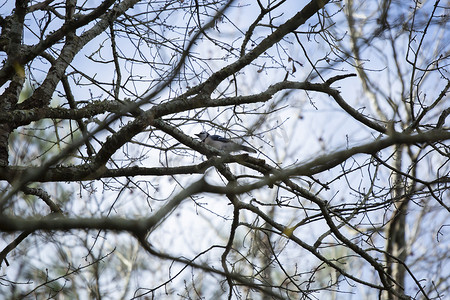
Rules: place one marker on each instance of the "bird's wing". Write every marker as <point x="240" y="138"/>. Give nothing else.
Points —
<point x="220" y="139"/>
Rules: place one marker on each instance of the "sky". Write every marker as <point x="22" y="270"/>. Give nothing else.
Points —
<point x="310" y="125"/>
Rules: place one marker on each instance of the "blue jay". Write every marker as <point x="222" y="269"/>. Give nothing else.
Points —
<point x="222" y="143"/>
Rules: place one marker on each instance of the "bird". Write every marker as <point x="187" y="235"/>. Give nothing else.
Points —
<point x="221" y="143"/>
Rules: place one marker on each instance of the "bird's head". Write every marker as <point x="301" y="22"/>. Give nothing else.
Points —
<point x="202" y="135"/>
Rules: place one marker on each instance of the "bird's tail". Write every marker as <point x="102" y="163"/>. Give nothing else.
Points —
<point x="248" y="149"/>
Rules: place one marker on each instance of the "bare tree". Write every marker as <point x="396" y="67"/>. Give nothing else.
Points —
<point x="106" y="192"/>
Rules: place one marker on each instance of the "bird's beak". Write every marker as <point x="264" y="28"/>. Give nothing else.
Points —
<point x="197" y="134"/>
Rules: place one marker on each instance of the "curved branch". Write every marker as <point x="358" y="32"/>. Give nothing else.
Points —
<point x="83" y="172"/>
<point x="22" y="117"/>
<point x="320" y="164"/>
<point x="137" y="227"/>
